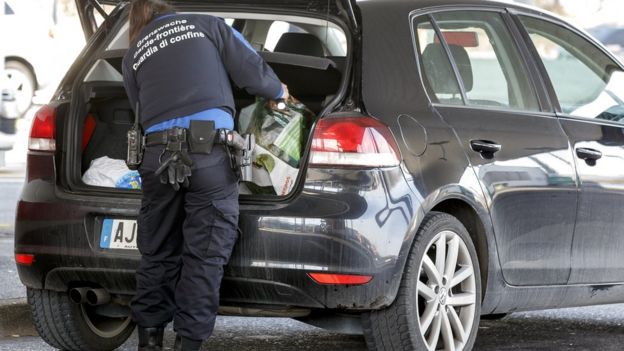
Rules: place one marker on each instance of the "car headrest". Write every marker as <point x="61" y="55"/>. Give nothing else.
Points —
<point x="441" y="76"/>
<point x="300" y="43"/>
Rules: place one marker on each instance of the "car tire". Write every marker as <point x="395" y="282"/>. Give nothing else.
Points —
<point x="22" y="79"/>
<point x="448" y="312"/>
<point x="68" y="326"/>
<point x="8" y="126"/>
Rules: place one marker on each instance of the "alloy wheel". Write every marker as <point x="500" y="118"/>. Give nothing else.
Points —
<point x="446" y="293"/>
<point x="21" y="83"/>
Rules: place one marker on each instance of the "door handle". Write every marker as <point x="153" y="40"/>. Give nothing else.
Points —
<point x="590" y="156"/>
<point x="486" y="148"/>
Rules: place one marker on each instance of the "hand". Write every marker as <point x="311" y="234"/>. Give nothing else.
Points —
<point x="286" y="94"/>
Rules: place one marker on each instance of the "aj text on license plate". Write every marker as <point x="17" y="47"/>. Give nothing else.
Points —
<point x="118" y="234"/>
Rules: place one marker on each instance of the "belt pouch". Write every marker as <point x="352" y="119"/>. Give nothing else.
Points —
<point x="202" y="136"/>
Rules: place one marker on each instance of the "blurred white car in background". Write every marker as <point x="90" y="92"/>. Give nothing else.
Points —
<point x="8" y="108"/>
<point x="8" y="118"/>
<point x="29" y="48"/>
<point x="612" y="36"/>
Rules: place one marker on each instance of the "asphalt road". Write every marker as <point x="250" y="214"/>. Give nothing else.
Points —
<point x="596" y="328"/>
<point x="11" y="188"/>
<point x="11" y="286"/>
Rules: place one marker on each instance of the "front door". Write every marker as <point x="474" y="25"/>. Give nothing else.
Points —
<point x="514" y="141"/>
<point x="589" y="86"/>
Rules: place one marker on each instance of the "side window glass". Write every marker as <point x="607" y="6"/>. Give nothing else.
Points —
<point x="490" y="66"/>
<point x="436" y="67"/>
<point x="587" y="82"/>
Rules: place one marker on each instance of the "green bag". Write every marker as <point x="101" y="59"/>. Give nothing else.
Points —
<point x="281" y="131"/>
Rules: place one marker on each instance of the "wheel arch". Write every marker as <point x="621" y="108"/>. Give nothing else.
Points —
<point x="27" y="64"/>
<point x="391" y="325"/>
<point x="469" y="217"/>
<point x="470" y="208"/>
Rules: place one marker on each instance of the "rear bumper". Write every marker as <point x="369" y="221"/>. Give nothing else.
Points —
<point x="287" y="288"/>
<point x="350" y="222"/>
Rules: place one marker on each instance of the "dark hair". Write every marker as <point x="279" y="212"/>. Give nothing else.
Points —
<point x="143" y="11"/>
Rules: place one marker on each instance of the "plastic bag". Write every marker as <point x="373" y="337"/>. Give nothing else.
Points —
<point x="111" y="173"/>
<point x="282" y="176"/>
<point x="281" y="131"/>
<point x="280" y="137"/>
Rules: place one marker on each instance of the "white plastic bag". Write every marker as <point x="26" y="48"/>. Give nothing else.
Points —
<point x="111" y="173"/>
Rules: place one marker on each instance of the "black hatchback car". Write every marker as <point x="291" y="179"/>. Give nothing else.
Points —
<point x="466" y="160"/>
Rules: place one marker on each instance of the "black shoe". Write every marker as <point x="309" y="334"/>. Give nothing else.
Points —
<point x="151" y="339"/>
<point x="186" y="344"/>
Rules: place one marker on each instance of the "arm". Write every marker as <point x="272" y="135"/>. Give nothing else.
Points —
<point x="246" y="68"/>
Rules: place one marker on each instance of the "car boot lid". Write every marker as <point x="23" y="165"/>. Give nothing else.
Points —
<point x="340" y="8"/>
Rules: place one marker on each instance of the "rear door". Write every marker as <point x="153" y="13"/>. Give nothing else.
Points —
<point x="514" y="142"/>
<point x="589" y="87"/>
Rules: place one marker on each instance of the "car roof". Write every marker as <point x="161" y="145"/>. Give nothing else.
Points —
<point x="423" y="4"/>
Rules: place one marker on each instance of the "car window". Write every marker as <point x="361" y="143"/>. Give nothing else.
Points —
<point x="277" y="29"/>
<point x="587" y="82"/>
<point x="490" y="66"/>
<point x="440" y="80"/>
<point x="330" y="40"/>
<point x="8" y="10"/>
<point x="322" y="38"/>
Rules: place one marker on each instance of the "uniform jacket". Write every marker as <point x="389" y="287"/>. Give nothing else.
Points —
<point x="181" y="64"/>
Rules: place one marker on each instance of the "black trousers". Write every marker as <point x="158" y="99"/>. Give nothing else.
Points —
<point x="185" y="238"/>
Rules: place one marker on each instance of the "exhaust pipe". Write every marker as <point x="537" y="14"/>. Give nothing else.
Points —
<point x="97" y="297"/>
<point x="78" y="295"/>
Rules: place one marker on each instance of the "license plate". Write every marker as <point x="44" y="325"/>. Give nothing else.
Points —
<point x="118" y="234"/>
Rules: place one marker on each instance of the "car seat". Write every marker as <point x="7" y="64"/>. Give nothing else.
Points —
<point x="301" y="44"/>
<point x="441" y="76"/>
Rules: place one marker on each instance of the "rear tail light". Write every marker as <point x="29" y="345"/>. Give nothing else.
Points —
<point x="43" y="130"/>
<point x="353" y="141"/>
<point x="340" y="279"/>
<point x="24" y="259"/>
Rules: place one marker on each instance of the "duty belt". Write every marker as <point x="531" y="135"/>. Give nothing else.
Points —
<point x="175" y="162"/>
<point x="158" y="138"/>
<point x="164" y="137"/>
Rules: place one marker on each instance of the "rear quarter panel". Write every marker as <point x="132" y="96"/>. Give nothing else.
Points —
<point x="436" y="167"/>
